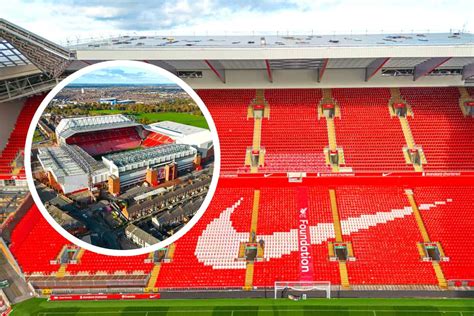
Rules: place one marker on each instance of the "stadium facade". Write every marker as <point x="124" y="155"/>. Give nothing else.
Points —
<point x="367" y="138"/>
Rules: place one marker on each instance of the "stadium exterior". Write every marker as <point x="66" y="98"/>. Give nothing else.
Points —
<point x="74" y="169"/>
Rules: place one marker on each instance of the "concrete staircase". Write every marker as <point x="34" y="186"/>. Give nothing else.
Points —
<point x="344" y="275"/>
<point x="253" y="228"/>
<point x="407" y="132"/>
<point x="426" y="238"/>
<point x="405" y="125"/>
<point x="249" y="276"/>
<point x="257" y="134"/>
<point x="62" y="271"/>
<point x="255" y="206"/>
<point x="170" y="252"/>
<point x="338" y="232"/>
<point x="80" y="254"/>
<point x="257" y="130"/>
<point x="331" y="133"/>
<point x="154" y="276"/>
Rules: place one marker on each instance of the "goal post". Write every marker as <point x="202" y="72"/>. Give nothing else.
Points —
<point x="303" y="286"/>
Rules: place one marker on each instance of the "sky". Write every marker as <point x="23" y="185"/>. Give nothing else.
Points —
<point x="70" y="21"/>
<point x="121" y="75"/>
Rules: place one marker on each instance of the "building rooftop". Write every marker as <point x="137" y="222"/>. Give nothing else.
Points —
<point x="174" y="129"/>
<point x="141" y="234"/>
<point x="70" y="126"/>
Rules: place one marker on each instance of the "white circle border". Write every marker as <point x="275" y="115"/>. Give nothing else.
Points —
<point x="125" y="252"/>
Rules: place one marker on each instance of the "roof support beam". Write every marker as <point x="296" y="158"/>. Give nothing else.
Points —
<point x="11" y="89"/>
<point x="163" y="64"/>
<point x="428" y="66"/>
<point x="468" y="71"/>
<point x="51" y="58"/>
<point x="374" y="67"/>
<point x="322" y="69"/>
<point x="216" y="68"/>
<point x="269" y="71"/>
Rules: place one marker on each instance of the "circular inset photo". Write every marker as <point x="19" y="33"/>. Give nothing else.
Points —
<point x="122" y="158"/>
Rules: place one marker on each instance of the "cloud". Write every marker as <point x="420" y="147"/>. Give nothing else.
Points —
<point x="130" y="15"/>
<point x="129" y="75"/>
<point x="72" y="19"/>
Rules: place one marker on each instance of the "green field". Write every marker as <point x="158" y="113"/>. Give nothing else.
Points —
<point x="240" y="307"/>
<point x="184" y="118"/>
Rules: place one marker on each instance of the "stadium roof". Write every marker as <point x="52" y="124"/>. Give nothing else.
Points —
<point x="28" y="63"/>
<point x="10" y="56"/>
<point x="70" y="126"/>
<point x="197" y="137"/>
<point x="67" y="160"/>
<point x="219" y="58"/>
<point x="217" y="61"/>
<point x="152" y="155"/>
<point x="58" y="161"/>
<point x="174" y="129"/>
<point x="140" y="42"/>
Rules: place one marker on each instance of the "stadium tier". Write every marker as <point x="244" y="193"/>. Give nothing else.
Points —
<point x="378" y="222"/>
<point x="371" y="138"/>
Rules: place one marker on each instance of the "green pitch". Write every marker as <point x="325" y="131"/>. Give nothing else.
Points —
<point x="241" y="307"/>
<point x="183" y="118"/>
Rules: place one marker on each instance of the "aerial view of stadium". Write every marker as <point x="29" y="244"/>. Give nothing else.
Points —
<point x="107" y="178"/>
<point x="346" y="160"/>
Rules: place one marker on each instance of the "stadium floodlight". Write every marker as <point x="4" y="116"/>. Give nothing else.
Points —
<point x="303" y="286"/>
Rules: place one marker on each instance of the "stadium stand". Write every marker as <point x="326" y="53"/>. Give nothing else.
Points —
<point x="36" y="254"/>
<point x="97" y="143"/>
<point x="156" y="139"/>
<point x="373" y="202"/>
<point x="372" y="216"/>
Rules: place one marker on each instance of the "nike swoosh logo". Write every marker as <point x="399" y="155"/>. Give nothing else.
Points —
<point x="219" y="243"/>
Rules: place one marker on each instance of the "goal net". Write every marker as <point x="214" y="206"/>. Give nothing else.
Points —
<point x="285" y="288"/>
